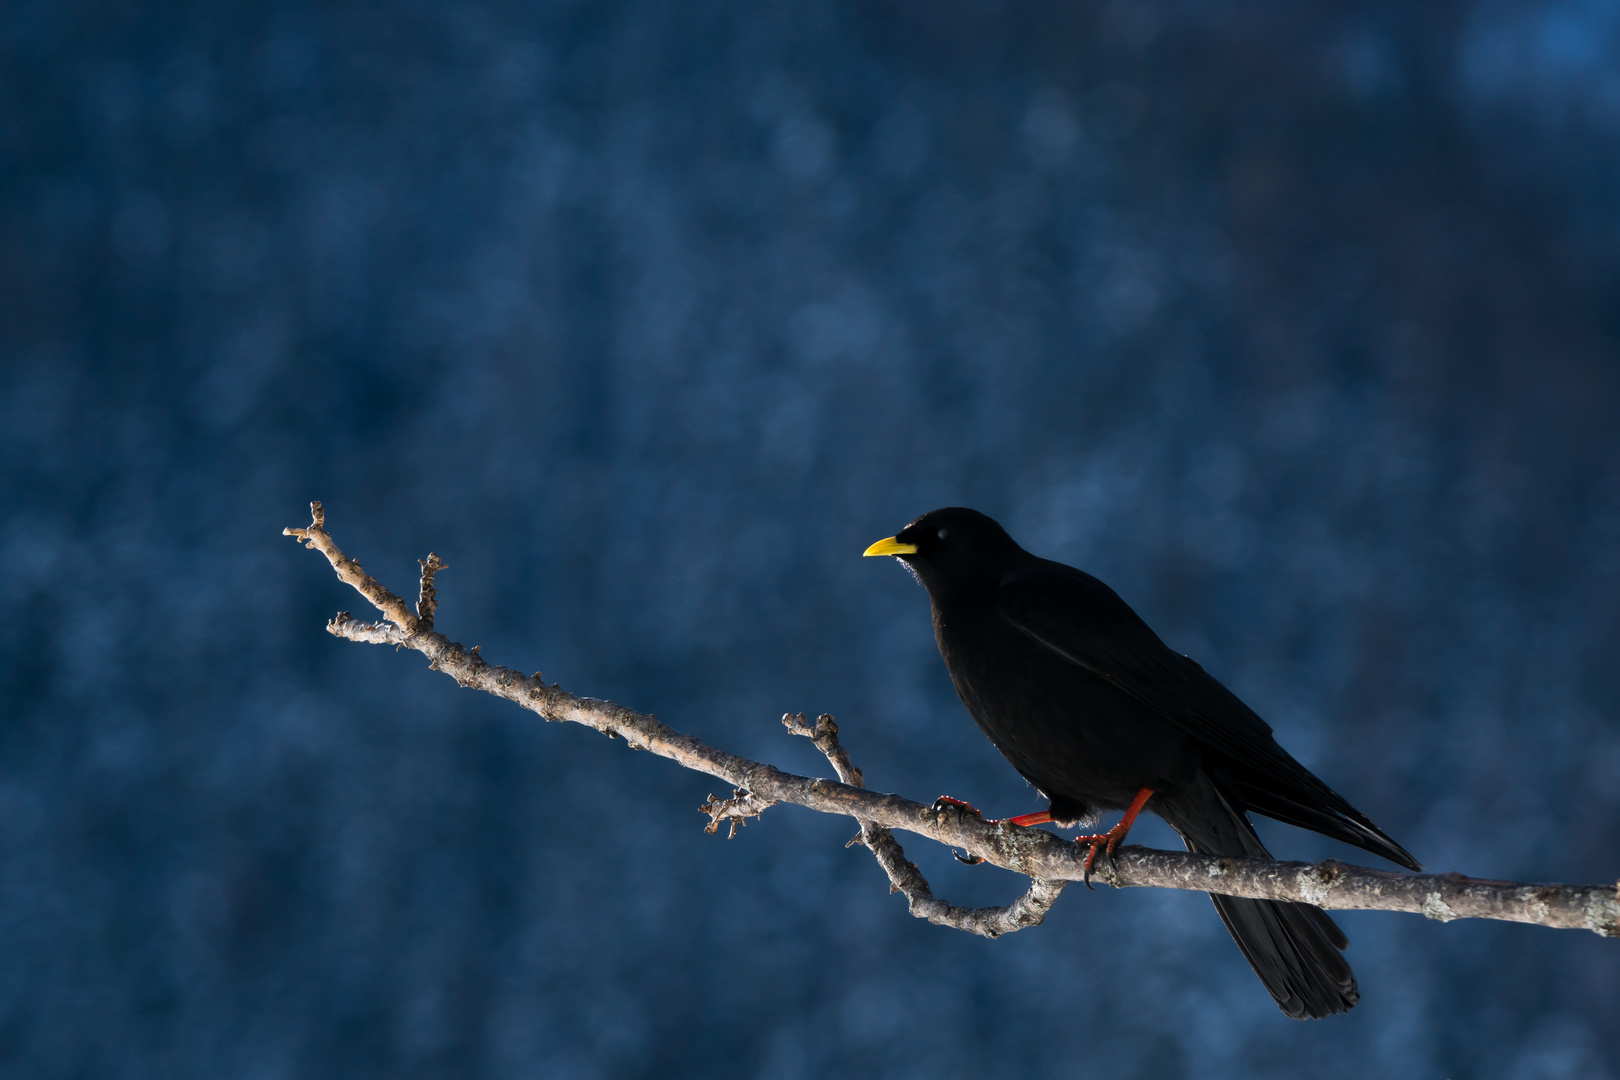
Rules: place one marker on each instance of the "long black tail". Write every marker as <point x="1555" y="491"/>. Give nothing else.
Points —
<point x="1295" y="948"/>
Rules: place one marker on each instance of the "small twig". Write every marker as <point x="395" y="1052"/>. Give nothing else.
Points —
<point x="427" y="604"/>
<point x="344" y="625"/>
<point x="1033" y="852"/>
<point x="824" y="733"/>
<point x="737" y="810"/>
<point x="349" y="572"/>
<point x="904" y="876"/>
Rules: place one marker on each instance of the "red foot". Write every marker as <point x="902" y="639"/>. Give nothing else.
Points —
<point x="1110" y="840"/>
<point x="966" y="807"/>
<point x="1102" y="841"/>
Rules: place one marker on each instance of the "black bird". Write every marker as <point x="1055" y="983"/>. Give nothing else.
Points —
<point x="1094" y="710"/>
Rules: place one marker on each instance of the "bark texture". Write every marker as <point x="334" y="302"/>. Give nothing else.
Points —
<point x="1046" y="859"/>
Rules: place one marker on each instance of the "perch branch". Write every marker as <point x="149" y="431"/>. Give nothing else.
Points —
<point x="904" y="877"/>
<point x="1035" y="853"/>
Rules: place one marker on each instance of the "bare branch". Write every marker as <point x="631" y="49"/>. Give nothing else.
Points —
<point x="1033" y="852"/>
<point x="904" y="877"/>
<point x="824" y="733"/>
<point x="315" y="536"/>
<point x="427" y="604"/>
<point x="344" y="625"/>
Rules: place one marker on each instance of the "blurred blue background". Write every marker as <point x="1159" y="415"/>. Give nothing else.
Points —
<point x="1296" y="324"/>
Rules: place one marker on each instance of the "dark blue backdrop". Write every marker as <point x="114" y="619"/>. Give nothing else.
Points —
<point x="1296" y="323"/>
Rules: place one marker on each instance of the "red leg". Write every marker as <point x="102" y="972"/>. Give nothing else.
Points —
<point x="1031" y="819"/>
<point x="1111" y="839"/>
<point x="1044" y="817"/>
<point x="968" y="808"/>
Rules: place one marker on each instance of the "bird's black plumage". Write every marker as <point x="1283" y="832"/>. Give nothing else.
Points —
<point x="1091" y="707"/>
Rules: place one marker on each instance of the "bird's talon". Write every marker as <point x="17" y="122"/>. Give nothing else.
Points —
<point x="945" y="802"/>
<point x="1105" y="843"/>
<point x="969" y="860"/>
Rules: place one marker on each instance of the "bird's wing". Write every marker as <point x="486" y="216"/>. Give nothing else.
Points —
<point x="1084" y="621"/>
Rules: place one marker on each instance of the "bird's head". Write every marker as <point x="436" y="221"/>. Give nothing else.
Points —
<point x="953" y="551"/>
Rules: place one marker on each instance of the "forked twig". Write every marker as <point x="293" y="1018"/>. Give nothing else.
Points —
<point x="904" y="877"/>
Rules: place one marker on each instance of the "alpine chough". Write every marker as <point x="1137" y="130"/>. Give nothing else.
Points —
<point x="1098" y="714"/>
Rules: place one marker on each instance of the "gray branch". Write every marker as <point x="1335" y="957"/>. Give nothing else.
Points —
<point x="904" y="877"/>
<point x="1046" y="859"/>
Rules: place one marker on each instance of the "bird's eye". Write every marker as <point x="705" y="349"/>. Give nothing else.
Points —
<point x="944" y="534"/>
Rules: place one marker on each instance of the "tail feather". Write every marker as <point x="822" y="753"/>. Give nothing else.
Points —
<point x="1295" y="949"/>
<point x="1299" y="964"/>
<point x="1351" y="827"/>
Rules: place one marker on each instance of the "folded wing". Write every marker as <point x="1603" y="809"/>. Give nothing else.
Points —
<point x="1084" y="621"/>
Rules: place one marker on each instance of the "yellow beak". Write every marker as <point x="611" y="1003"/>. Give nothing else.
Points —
<point x="890" y="546"/>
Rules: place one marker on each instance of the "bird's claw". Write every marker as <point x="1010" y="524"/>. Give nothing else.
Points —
<point x="945" y="802"/>
<point x="1104" y="842"/>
